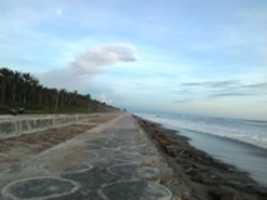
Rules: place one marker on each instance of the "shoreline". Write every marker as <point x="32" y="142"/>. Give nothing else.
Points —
<point x="168" y="124"/>
<point x="229" y="139"/>
<point x="233" y="140"/>
<point x="206" y="177"/>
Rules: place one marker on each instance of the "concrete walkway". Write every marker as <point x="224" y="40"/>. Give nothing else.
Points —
<point x="114" y="161"/>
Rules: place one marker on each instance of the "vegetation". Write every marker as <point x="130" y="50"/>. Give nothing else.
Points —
<point x="22" y="91"/>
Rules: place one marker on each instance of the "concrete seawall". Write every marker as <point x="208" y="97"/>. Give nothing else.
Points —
<point x="14" y="126"/>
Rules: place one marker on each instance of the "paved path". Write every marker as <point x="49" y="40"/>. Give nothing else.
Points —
<point x="115" y="161"/>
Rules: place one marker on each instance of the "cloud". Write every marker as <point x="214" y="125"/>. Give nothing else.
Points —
<point x="77" y="74"/>
<point x="204" y="90"/>
<point x="212" y="84"/>
<point x="183" y="101"/>
<point x="94" y="60"/>
<point x="262" y="85"/>
<point x="230" y="94"/>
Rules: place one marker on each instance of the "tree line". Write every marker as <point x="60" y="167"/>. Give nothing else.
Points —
<point x="24" y="91"/>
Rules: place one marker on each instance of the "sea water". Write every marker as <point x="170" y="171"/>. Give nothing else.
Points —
<point x="242" y="143"/>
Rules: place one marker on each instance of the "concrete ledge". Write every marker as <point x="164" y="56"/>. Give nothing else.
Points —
<point x="27" y="124"/>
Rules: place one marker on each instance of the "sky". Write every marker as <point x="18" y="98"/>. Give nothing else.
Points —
<point x="205" y="57"/>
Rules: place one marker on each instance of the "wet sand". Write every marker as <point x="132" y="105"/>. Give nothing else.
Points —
<point x="205" y="177"/>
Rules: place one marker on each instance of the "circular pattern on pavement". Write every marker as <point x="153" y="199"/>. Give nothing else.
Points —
<point x="134" y="170"/>
<point x="77" y="169"/>
<point x="124" y="170"/>
<point x="39" y="188"/>
<point x="157" y="192"/>
<point x="138" y="189"/>
<point x="148" y="172"/>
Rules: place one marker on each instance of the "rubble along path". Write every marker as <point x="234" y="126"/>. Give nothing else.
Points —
<point x="114" y="161"/>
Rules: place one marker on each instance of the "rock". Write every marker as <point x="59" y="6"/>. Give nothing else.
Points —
<point x="220" y="193"/>
<point x="230" y="196"/>
<point x="171" y="150"/>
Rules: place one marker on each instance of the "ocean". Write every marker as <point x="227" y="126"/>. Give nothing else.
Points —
<point x="242" y="143"/>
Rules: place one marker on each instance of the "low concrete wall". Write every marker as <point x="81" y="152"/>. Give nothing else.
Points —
<point x="28" y="124"/>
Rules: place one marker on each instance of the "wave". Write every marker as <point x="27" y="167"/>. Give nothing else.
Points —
<point x="246" y="131"/>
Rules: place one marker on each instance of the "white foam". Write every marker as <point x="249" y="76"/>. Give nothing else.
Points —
<point x="238" y="130"/>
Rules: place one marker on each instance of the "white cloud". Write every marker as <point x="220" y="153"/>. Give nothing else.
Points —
<point x="95" y="59"/>
<point x="78" y="73"/>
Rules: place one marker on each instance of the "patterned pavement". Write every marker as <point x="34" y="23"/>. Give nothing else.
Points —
<point x="115" y="161"/>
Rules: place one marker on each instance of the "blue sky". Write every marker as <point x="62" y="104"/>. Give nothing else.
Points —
<point x="207" y="57"/>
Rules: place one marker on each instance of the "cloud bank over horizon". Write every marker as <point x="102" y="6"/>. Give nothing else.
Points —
<point x="225" y="88"/>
